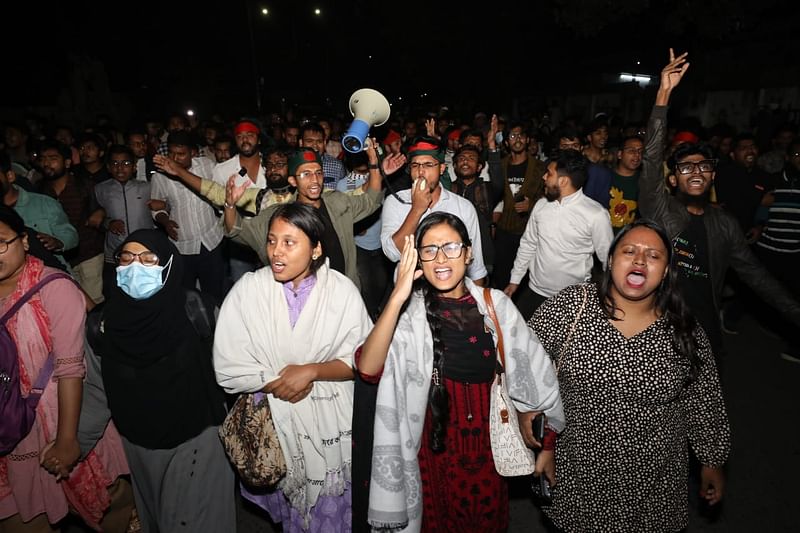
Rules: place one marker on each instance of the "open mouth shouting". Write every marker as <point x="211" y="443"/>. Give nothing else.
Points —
<point x="636" y="278"/>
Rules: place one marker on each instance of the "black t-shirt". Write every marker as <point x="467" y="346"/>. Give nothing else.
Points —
<point x="330" y="241"/>
<point x="516" y="176"/>
<point x="690" y="261"/>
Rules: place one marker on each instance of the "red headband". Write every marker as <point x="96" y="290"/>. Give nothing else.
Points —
<point x="246" y="126"/>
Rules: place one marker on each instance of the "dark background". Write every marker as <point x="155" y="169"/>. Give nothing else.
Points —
<point x="215" y="57"/>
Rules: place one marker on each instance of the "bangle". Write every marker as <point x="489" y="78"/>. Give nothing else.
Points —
<point x="550" y="437"/>
<point x="228" y="206"/>
<point x="373" y="165"/>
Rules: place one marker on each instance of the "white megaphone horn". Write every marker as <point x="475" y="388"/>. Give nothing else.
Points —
<point x="369" y="108"/>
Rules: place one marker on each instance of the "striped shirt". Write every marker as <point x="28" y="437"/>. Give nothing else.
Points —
<point x="197" y="221"/>
<point x="782" y="231"/>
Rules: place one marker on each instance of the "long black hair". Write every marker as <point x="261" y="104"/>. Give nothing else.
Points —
<point x="438" y="398"/>
<point x="669" y="301"/>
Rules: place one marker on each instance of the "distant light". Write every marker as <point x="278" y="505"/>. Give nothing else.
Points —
<point x="265" y="11"/>
<point x="638" y="62"/>
<point x="641" y="79"/>
<point x="190" y="113"/>
<point x="399" y="97"/>
<point x="318" y="11"/>
<point x="370" y="57"/>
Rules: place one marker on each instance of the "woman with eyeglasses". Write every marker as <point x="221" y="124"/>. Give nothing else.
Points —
<point x="433" y="352"/>
<point x="42" y="316"/>
<point x="640" y="387"/>
<point x="289" y="331"/>
<point x="154" y="340"/>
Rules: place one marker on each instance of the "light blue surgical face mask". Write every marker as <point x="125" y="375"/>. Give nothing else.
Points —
<point x="141" y="282"/>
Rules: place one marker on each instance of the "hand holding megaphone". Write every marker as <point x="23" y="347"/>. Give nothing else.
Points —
<point x="369" y="108"/>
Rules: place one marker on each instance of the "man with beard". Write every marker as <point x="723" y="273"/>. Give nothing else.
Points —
<point x="468" y="164"/>
<point x="565" y="229"/>
<point x="707" y="238"/>
<point x="249" y="170"/>
<point x="42" y="214"/>
<point x="78" y="200"/>
<point x="523" y="187"/>
<point x="247" y="134"/>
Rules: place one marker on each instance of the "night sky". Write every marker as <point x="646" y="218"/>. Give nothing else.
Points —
<point x="167" y="55"/>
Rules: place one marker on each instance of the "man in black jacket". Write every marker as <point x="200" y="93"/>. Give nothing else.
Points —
<point x="707" y="238"/>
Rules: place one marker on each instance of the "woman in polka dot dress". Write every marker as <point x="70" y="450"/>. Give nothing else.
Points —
<point x="639" y="385"/>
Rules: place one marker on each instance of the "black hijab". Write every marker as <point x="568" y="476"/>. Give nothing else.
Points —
<point x="157" y="370"/>
<point x="140" y="332"/>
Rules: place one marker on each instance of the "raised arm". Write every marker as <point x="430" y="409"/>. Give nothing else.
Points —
<point x="376" y="347"/>
<point x="653" y="198"/>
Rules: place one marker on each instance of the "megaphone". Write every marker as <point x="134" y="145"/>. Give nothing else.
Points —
<point x="369" y="108"/>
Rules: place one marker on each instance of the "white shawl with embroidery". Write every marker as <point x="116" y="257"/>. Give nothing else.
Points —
<point x="395" y="499"/>
<point x="254" y="341"/>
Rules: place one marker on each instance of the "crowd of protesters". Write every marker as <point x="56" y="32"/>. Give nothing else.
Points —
<point x="367" y="298"/>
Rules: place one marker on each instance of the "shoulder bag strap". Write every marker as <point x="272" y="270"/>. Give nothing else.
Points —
<point x="487" y="296"/>
<point x="572" y="328"/>
<point x="47" y="370"/>
<point x="33" y="290"/>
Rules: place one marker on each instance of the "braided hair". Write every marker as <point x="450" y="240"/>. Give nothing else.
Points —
<point x="438" y="399"/>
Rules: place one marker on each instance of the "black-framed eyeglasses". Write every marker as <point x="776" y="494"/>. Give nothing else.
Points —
<point x="5" y="244"/>
<point x="277" y="165"/>
<point x="688" y="167"/>
<point x="451" y="250"/>
<point x="147" y="258"/>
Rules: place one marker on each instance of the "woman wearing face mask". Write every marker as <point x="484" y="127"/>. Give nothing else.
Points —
<point x="436" y="349"/>
<point x="45" y="335"/>
<point x="154" y="341"/>
<point x="290" y="330"/>
<point x="639" y="386"/>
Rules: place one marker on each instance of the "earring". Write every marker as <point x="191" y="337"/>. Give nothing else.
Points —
<point x="314" y="257"/>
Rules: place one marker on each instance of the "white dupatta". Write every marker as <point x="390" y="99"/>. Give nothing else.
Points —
<point x="254" y="341"/>
<point x="395" y="499"/>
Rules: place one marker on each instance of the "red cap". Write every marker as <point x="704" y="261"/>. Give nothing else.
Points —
<point x="685" y="137"/>
<point x="391" y="137"/>
<point x="454" y="135"/>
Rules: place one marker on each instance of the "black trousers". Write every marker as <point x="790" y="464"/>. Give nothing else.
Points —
<point x="528" y="301"/>
<point x="207" y="267"/>
<point x="374" y="274"/>
<point x="505" y="251"/>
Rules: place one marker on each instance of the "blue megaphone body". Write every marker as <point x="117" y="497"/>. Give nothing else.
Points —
<point x="369" y="108"/>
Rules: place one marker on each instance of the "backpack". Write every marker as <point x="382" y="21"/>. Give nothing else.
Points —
<point x="17" y="413"/>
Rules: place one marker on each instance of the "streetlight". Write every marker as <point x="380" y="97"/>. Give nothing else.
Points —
<point x="318" y="11"/>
